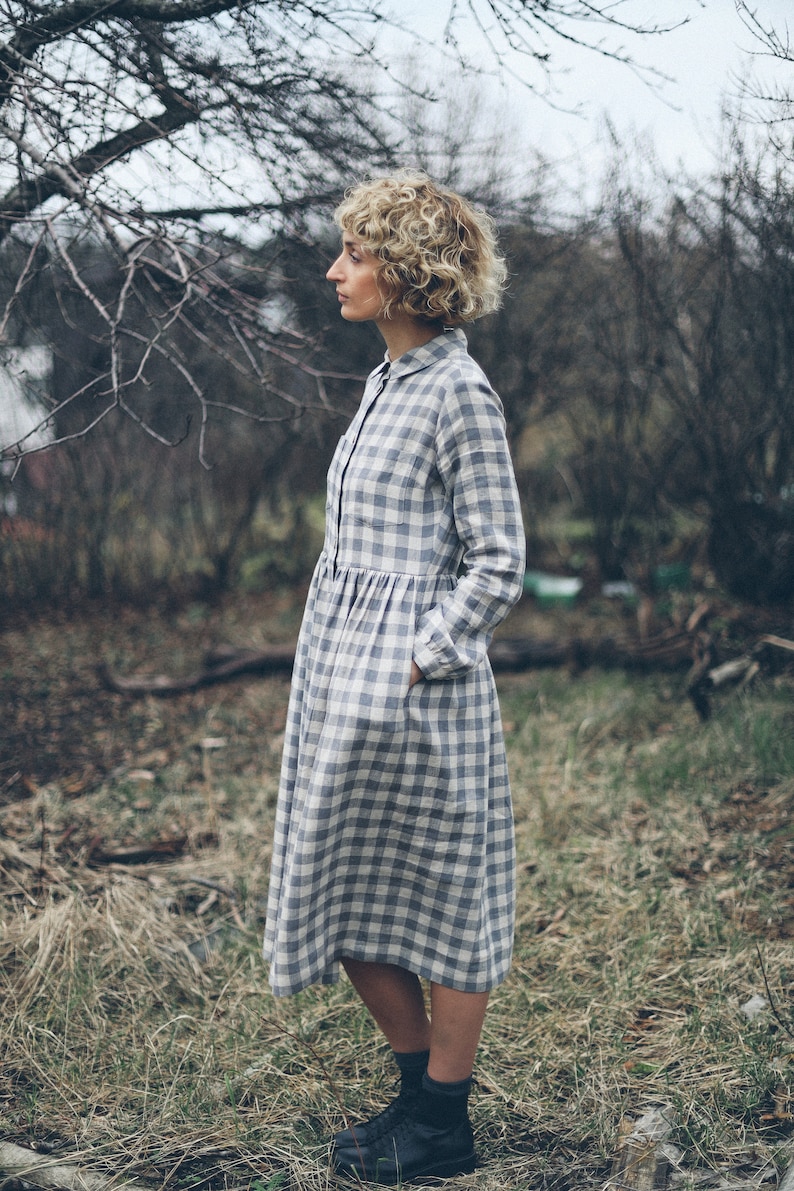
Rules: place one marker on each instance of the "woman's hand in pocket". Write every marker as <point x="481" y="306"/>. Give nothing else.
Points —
<point x="416" y="675"/>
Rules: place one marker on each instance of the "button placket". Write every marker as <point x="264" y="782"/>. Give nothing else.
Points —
<point x="352" y="440"/>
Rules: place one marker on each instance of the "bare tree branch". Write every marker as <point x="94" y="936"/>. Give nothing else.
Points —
<point x="775" y="102"/>
<point x="133" y="129"/>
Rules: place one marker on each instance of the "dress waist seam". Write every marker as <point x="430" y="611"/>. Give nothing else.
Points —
<point x="336" y="568"/>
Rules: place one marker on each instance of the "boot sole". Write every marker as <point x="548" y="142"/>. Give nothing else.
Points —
<point x="444" y="1171"/>
<point x="428" y="1175"/>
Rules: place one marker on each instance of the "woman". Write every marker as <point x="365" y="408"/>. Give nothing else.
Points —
<point x="393" y="849"/>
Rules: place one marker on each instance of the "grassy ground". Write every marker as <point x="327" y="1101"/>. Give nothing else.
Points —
<point x="137" y="1032"/>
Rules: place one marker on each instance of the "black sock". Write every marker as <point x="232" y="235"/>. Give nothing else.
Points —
<point x="413" y="1065"/>
<point x="445" y="1104"/>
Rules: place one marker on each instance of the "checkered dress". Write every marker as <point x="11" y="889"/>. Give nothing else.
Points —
<point x="394" y="832"/>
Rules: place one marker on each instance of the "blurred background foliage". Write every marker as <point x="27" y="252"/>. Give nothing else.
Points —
<point x="644" y="355"/>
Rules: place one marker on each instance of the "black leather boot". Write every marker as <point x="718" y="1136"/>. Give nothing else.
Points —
<point x="412" y="1068"/>
<point x="433" y="1140"/>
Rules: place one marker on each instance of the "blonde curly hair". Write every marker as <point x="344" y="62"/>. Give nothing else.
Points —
<point x="438" y="256"/>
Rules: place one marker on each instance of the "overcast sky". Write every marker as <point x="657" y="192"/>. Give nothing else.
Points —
<point x="705" y="59"/>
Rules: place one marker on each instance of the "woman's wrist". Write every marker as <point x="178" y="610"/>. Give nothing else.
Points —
<point x="416" y="675"/>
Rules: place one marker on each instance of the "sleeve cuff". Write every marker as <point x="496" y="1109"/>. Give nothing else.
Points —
<point x="427" y="661"/>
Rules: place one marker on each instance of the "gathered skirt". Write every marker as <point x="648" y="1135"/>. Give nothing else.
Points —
<point x="394" y="832"/>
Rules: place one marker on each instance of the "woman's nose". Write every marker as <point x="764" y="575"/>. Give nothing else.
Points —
<point x="333" y="272"/>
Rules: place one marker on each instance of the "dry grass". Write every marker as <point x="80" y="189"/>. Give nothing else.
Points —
<point x="138" y="1034"/>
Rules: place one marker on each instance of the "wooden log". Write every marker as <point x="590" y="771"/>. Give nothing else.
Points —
<point x="523" y="653"/>
<point x="640" y="1162"/>
<point x="670" y="650"/>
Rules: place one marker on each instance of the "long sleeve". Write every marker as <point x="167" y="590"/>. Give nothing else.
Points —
<point x="473" y="460"/>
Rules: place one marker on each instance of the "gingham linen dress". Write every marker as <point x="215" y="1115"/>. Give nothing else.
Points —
<point x="394" y="831"/>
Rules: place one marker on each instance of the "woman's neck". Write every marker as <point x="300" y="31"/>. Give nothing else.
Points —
<point x="401" y="333"/>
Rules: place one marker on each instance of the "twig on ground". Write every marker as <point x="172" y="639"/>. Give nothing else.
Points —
<point x="44" y="1170"/>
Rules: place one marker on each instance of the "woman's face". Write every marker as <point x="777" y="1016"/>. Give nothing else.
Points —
<point x="353" y="274"/>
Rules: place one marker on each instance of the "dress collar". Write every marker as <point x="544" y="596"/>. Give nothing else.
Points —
<point x="448" y="341"/>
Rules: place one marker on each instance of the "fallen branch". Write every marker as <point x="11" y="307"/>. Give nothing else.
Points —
<point x="667" y="651"/>
<point x="778" y="642"/>
<point x="705" y="678"/>
<point x="162" y="849"/>
<point x="219" y="666"/>
<point x="147" y="852"/>
<point x="49" y="1171"/>
<point x="671" y="650"/>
